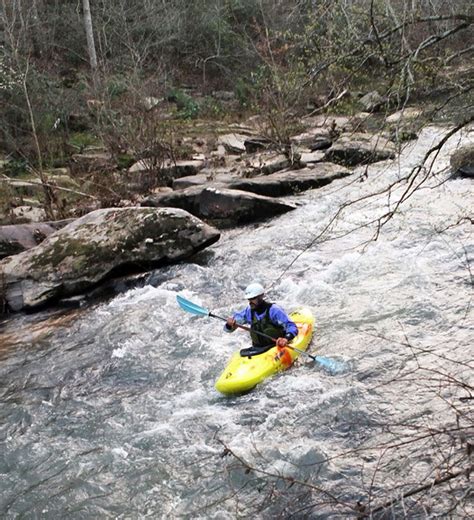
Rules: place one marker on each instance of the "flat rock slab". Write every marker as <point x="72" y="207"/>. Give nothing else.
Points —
<point x="294" y="181"/>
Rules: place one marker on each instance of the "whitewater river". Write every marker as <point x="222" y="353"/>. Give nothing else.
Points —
<point x="110" y="411"/>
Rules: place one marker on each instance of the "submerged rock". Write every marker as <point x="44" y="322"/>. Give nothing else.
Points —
<point x="102" y="244"/>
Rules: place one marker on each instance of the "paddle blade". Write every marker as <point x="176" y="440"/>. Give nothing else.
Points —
<point x="191" y="307"/>
<point x="331" y="365"/>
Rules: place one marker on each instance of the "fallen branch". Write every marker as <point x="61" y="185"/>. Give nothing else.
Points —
<point x="52" y="186"/>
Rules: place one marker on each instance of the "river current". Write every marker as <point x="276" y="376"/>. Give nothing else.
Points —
<point x="110" y="411"/>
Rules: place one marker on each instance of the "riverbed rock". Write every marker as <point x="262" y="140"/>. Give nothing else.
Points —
<point x="203" y="178"/>
<point x="406" y="114"/>
<point x="17" y="238"/>
<point x="373" y="101"/>
<point x="462" y="162"/>
<point x="222" y="206"/>
<point x="277" y="184"/>
<point x="28" y="214"/>
<point x="100" y="245"/>
<point x="290" y="182"/>
<point x="229" y="207"/>
<point x="352" y="149"/>
<point x="266" y="164"/>
<point x="233" y="143"/>
<point x="186" y="199"/>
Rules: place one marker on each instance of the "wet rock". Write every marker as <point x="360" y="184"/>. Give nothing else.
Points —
<point x="102" y="244"/>
<point x="230" y="207"/>
<point x="222" y="206"/>
<point x="359" y="148"/>
<point x="462" y="162"/>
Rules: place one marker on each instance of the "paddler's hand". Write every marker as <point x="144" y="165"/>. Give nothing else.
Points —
<point x="282" y="342"/>
<point x="231" y="323"/>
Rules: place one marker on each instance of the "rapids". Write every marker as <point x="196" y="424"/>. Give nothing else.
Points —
<point x="109" y="411"/>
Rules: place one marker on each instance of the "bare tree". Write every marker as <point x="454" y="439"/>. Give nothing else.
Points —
<point x="89" y="34"/>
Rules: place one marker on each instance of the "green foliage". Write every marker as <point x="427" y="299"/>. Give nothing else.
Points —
<point x="16" y="167"/>
<point x="211" y="108"/>
<point x="116" y="87"/>
<point x="244" y="92"/>
<point x="187" y="107"/>
<point x="81" y="140"/>
<point x="124" y="161"/>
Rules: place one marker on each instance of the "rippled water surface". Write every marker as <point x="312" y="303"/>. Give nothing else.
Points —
<point x="110" y="411"/>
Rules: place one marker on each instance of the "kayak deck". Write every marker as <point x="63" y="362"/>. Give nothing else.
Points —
<point x="244" y="373"/>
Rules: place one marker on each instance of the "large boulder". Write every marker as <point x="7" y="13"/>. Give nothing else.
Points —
<point x="224" y="207"/>
<point x="228" y="207"/>
<point x="353" y="149"/>
<point x="187" y="199"/>
<point x="100" y="245"/>
<point x="462" y="161"/>
<point x="17" y="238"/>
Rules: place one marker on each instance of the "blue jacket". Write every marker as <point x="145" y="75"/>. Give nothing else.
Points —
<point x="276" y="314"/>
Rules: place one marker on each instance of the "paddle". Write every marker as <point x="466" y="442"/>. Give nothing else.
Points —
<point x="193" y="308"/>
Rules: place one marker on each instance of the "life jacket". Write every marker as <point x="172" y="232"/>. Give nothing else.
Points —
<point x="266" y="326"/>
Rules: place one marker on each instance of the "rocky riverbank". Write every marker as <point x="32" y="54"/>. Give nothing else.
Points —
<point x="242" y="179"/>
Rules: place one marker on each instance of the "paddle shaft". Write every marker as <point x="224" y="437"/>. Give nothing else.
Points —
<point x="263" y="335"/>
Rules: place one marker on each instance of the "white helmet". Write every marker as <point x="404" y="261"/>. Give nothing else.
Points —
<point x="254" y="290"/>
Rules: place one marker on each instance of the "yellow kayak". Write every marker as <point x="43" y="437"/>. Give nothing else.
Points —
<point x="244" y="373"/>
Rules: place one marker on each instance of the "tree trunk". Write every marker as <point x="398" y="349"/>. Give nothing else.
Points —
<point x="89" y="34"/>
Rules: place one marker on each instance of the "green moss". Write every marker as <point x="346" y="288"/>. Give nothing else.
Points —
<point x="82" y="140"/>
<point x="124" y="161"/>
<point x="80" y="252"/>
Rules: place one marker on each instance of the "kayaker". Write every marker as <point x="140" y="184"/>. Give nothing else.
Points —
<point x="265" y="317"/>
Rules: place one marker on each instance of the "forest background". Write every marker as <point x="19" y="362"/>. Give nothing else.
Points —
<point x="141" y="79"/>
